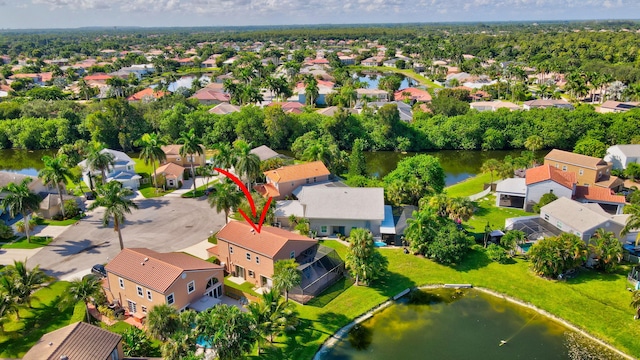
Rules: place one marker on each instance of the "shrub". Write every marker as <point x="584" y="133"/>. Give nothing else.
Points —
<point x="20" y="225"/>
<point x="106" y="311"/>
<point x="497" y="253"/>
<point x="71" y="208"/>
<point x="544" y="200"/>
<point x="57" y="217"/>
<point x="6" y="232"/>
<point x="553" y="256"/>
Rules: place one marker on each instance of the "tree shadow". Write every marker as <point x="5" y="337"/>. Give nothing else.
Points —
<point x="72" y="247"/>
<point x="392" y="283"/>
<point x="584" y="275"/>
<point x="331" y="293"/>
<point x="473" y="260"/>
<point x="154" y="203"/>
<point x="293" y="345"/>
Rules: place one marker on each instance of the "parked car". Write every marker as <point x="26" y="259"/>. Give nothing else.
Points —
<point x="209" y="190"/>
<point x="98" y="269"/>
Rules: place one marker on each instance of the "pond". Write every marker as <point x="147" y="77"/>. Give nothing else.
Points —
<point x="452" y="324"/>
<point x="373" y="79"/>
<point x="23" y="161"/>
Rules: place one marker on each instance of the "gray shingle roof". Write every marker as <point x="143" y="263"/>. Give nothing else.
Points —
<point x="322" y="202"/>
<point x="79" y="341"/>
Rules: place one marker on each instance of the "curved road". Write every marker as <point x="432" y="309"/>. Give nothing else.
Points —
<point x="162" y="224"/>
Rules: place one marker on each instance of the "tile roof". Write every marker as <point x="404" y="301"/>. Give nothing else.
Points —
<point x="297" y="172"/>
<point x="146" y="93"/>
<point x="267" y="190"/>
<point x="98" y="77"/>
<point x="596" y="193"/>
<point x="548" y="172"/>
<point x="174" y="149"/>
<point x="79" y="341"/>
<point x="206" y="94"/>
<point x="567" y="157"/>
<point x="413" y="94"/>
<point x="224" y="108"/>
<point x="609" y="182"/>
<point x="170" y="170"/>
<point x="264" y="152"/>
<point x="158" y="271"/>
<point x="268" y="242"/>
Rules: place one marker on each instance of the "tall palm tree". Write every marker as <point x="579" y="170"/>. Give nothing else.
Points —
<point x="55" y="171"/>
<point x="225" y="197"/>
<point x="248" y="163"/>
<point x="25" y="281"/>
<point x="286" y="276"/>
<point x="190" y="147"/>
<point x="85" y="290"/>
<point x="224" y="156"/>
<point x="163" y="321"/>
<point x="20" y="200"/>
<point x="633" y="222"/>
<point x="100" y="159"/>
<point x="490" y="166"/>
<point x="113" y="197"/>
<point x="311" y="89"/>
<point x="151" y="152"/>
<point x="534" y="143"/>
<point x="7" y="305"/>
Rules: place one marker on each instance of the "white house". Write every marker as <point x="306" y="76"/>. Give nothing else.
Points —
<point x="547" y="179"/>
<point x="622" y="155"/>
<point x="122" y="172"/>
<point x="334" y="209"/>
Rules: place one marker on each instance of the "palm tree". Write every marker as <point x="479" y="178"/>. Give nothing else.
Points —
<point x="10" y="293"/>
<point x="224" y="157"/>
<point x="225" y="197"/>
<point x="151" y="152"/>
<point x="635" y="303"/>
<point x="286" y="276"/>
<point x="633" y="222"/>
<point x="190" y="147"/>
<point x="271" y="316"/>
<point x="20" y="200"/>
<point x="606" y="248"/>
<point x="616" y="89"/>
<point x="56" y="172"/>
<point x="85" y="290"/>
<point x="113" y="197"/>
<point x="163" y="321"/>
<point x="533" y="143"/>
<point x="118" y="85"/>
<point x="460" y="208"/>
<point x="490" y="166"/>
<point x="100" y="159"/>
<point x="25" y="281"/>
<point x="7" y="305"/>
<point x="248" y="163"/>
<point x="312" y="91"/>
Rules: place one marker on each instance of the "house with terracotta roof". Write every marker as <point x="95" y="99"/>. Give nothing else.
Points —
<point x="324" y="88"/>
<point x="412" y="94"/>
<point x="590" y="171"/>
<point x="224" y="108"/>
<point x="78" y="341"/>
<point x="283" y="181"/>
<point x="523" y="193"/>
<point x="99" y="78"/>
<point x="250" y="255"/>
<point x="606" y="198"/>
<point x="172" y="152"/>
<point x="139" y="278"/>
<point x="170" y="175"/>
<point x="289" y="107"/>
<point x="210" y="96"/>
<point x="147" y="95"/>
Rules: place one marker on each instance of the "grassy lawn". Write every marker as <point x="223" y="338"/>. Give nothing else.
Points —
<point x="148" y="191"/>
<point x="50" y="222"/>
<point x="43" y="317"/>
<point x="21" y="243"/>
<point x="245" y="287"/>
<point x="487" y="212"/>
<point x="594" y="302"/>
<point x="468" y="187"/>
<point x="199" y="190"/>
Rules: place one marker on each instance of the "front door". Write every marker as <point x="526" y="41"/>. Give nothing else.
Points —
<point x="132" y="306"/>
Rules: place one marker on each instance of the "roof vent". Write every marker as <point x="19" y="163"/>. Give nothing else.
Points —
<point x="146" y="259"/>
<point x="50" y="343"/>
<point x="142" y="263"/>
<point x="64" y="357"/>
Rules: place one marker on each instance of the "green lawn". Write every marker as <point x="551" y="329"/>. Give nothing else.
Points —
<point x="592" y="301"/>
<point x="50" y="222"/>
<point x="20" y="335"/>
<point x="468" y="187"/>
<point x="245" y="287"/>
<point x="21" y="243"/>
<point x="487" y="212"/>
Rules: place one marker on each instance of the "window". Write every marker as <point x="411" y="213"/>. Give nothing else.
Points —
<point x="140" y="292"/>
<point x="144" y="309"/>
<point x="557" y="166"/>
<point x="323" y="229"/>
<point x="121" y="282"/>
<point x="149" y="296"/>
<point x="252" y="274"/>
<point x="248" y="256"/>
<point x="257" y="260"/>
<point x="314" y="179"/>
<point x="564" y="168"/>
<point x="307" y="181"/>
<point x="170" y="299"/>
<point x="546" y="217"/>
<point x="114" y="355"/>
<point x="559" y="225"/>
<point x="292" y="255"/>
<point x="581" y="172"/>
<point x="177" y="159"/>
<point x="212" y="282"/>
<point x="230" y="249"/>
<point x="191" y="287"/>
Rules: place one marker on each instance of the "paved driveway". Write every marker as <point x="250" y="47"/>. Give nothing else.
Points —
<point x="161" y="224"/>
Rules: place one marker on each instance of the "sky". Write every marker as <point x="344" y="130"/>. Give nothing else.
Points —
<point x="26" y="14"/>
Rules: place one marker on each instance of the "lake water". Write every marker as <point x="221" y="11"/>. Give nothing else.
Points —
<point x="457" y="164"/>
<point x="448" y="325"/>
<point x="374" y="79"/>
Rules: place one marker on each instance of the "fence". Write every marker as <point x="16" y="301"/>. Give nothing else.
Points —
<point x="238" y="294"/>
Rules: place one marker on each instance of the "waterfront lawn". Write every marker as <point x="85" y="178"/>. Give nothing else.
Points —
<point x="595" y="302"/>
<point x="21" y="243"/>
<point x="469" y="187"/>
<point x="20" y="335"/>
<point x="487" y="212"/>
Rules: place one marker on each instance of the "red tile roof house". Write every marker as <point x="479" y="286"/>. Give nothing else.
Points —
<point x="78" y="341"/>
<point x="172" y="174"/>
<point x="250" y="255"/>
<point x="139" y="278"/>
<point x="282" y="181"/>
<point x="146" y="95"/>
<point x="209" y="96"/>
<point x="412" y="94"/>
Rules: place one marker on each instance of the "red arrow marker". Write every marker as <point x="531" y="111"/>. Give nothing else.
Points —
<point x="247" y="194"/>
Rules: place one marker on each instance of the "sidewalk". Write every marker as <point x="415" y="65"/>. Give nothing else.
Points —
<point x="199" y="249"/>
<point x="7" y="256"/>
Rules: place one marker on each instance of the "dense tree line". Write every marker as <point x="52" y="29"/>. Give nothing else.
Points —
<point x="43" y="124"/>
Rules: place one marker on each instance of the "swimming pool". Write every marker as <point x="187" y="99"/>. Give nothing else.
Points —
<point x="379" y="243"/>
<point x="526" y="246"/>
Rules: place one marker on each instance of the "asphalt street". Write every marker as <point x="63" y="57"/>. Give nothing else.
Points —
<point x="162" y="224"/>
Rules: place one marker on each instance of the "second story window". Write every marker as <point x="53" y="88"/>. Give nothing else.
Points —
<point x="248" y="256"/>
<point x="140" y="292"/>
<point x="191" y="287"/>
<point x="149" y="295"/>
<point x="121" y="283"/>
<point x="230" y="249"/>
<point x="257" y="260"/>
<point x="581" y="172"/>
<point x="292" y="255"/>
<point x="170" y="299"/>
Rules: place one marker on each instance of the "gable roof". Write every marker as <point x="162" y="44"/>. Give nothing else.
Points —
<point x="264" y="152"/>
<point x="413" y="94"/>
<point x="598" y="194"/>
<point x="79" y="341"/>
<point x="570" y="158"/>
<point x="268" y="242"/>
<point x="297" y="172"/>
<point x="547" y="172"/>
<point x="208" y="94"/>
<point x="174" y="149"/>
<point x="582" y="217"/>
<point x="170" y="170"/>
<point x="224" y="108"/>
<point x="121" y="159"/>
<point x="320" y="202"/>
<point x="630" y="150"/>
<point x="155" y="270"/>
<point x="7" y="177"/>
<point x="147" y="93"/>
